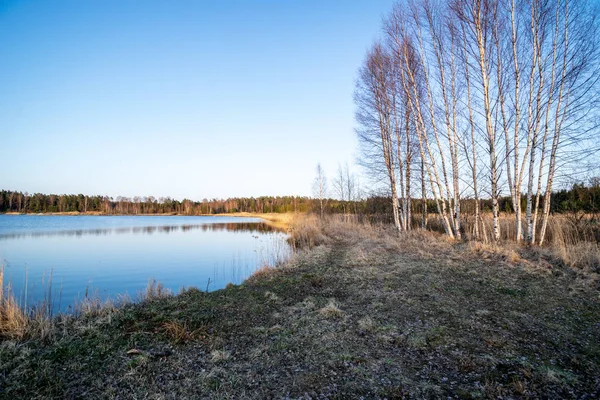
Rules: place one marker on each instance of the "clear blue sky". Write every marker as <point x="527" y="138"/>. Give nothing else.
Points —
<point x="179" y="98"/>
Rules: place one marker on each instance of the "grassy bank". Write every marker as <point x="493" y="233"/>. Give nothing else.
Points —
<point x="359" y="312"/>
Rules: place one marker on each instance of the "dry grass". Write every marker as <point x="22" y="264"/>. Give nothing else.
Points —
<point x="154" y="290"/>
<point x="179" y="332"/>
<point x="262" y="273"/>
<point x="271" y="296"/>
<point x="366" y="325"/>
<point x="282" y="221"/>
<point x="575" y="242"/>
<point x="562" y="228"/>
<point x="583" y="255"/>
<point x="331" y="310"/>
<point x="218" y="356"/>
<point x="18" y="322"/>
<point x="13" y="321"/>
<point x="306" y="233"/>
<point x="572" y="239"/>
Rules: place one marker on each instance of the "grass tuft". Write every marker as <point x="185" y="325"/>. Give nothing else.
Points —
<point x="218" y="356"/>
<point x="331" y="310"/>
<point x="155" y="290"/>
<point x="14" y="323"/>
<point x="179" y="332"/>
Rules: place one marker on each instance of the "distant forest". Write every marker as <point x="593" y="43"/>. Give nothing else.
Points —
<point x="579" y="198"/>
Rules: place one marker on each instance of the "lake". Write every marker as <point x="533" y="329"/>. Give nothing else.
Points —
<point x="108" y="256"/>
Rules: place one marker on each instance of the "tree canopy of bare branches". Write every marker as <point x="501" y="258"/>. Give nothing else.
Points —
<point x="485" y="98"/>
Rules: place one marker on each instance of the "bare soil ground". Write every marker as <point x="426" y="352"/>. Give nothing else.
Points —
<point x="366" y="315"/>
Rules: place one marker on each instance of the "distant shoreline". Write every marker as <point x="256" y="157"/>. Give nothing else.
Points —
<point x="99" y="213"/>
<point x="278" y="220"/>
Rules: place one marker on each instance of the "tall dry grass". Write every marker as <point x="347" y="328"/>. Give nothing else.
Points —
<point x="562" y="228"/>
<point x="154" y="290"/>
<point x="13" y="320"/>
<point x="573" y="240"/>
<point x="18" y="321"/>
<point x="306" y="232"/>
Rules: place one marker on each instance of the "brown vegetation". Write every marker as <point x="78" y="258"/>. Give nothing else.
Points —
<point x="13" y="321"/>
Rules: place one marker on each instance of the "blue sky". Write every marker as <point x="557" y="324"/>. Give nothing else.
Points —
<point x="179" y="98"/>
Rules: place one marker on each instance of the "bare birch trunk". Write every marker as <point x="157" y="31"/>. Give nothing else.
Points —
<point x="491" y="136"/>
<point x="557" y="127"/>
<point x="473" y="161"/>
<point x="423" y="197"/>
<point x="546" y="123"/>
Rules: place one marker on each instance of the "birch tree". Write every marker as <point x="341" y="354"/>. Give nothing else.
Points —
<point x="501" y="86"/>
<point x="374" y="97"/>
<point x="320" y="188"/>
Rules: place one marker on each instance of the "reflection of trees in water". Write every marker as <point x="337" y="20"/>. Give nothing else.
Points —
<point x="251" y="227"/>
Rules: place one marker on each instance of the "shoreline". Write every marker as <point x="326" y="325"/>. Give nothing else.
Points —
<point x="99" y="213"/>
<point x="276" y="220"/>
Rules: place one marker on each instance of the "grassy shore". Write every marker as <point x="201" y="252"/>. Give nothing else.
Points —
<point x="358" y="312"/>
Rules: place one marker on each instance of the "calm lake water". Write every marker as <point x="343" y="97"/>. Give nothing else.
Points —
<point x="109" y="256"/>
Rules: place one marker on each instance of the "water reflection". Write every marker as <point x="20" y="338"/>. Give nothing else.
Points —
<point x="112" y="255"/>
<point x="251" y="227"/>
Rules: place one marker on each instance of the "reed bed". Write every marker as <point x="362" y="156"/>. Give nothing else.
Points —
<point x="571" y="239"/>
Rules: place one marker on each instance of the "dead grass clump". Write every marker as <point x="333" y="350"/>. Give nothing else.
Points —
<point x="342" y="227"/>
<point x="88" y="306"/>
<point x="155" y="290"/>
<point x="218" y="356"/>
<point x="466" y="364"/>
<point x="14" y="322"/>
<point x="582" y="255"/>
<point x="519" y="386"/>
<point x="18" y="323"/>
<point x="306" y="233"/>
<point x="424" y="243"/>
<point x="331" y="310"/>
<point x="271" y="296"/>
<point x="366" y="325"/>
<point x="508" y="252"/>
<point x="261" y="273"/>
<point x="180" y="332"/>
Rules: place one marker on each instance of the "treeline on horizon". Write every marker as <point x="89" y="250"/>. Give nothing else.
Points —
<point x="579" y="198"/>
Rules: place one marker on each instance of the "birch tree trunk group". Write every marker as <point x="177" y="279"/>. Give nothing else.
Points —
<point x="484" y="98"/>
